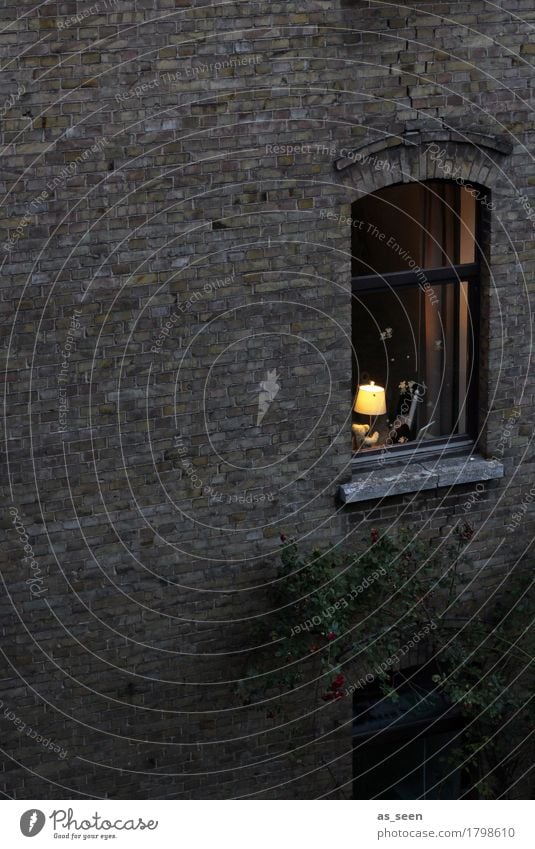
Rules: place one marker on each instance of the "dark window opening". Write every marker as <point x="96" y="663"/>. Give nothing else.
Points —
<point x="403" y="749"/>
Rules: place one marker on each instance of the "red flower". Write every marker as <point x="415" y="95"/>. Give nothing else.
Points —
<point x="339" y="680"/>
<point x="327" y="697"/>
<point x="332" y="635"/>
<point x="283" y="537"/>
<point x="374" y="535"/>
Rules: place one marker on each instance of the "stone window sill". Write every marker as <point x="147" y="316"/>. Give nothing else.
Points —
<point x="428" y="474"/>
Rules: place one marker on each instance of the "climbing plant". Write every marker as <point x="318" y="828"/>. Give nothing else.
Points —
<point x="335" y="613"/>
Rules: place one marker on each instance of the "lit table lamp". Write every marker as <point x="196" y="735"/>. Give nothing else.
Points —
<point x="370" y="401"/>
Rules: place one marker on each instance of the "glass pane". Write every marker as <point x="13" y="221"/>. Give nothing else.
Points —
<point x="419" y="225"/>
<point x="402" y="748"/>
<point x="414" y="343"/>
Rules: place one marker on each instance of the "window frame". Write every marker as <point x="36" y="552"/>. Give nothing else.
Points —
<point x="454" y="273"/>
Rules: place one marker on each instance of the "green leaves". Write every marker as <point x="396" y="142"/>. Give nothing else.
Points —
<point x="337" y="613"/>
<point x="333" y="605"/>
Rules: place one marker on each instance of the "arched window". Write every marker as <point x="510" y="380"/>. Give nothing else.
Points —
<point x="415" y="316"/>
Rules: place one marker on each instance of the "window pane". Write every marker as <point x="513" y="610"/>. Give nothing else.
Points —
<point x="415" y="344"/>
<point x="467" y="248"/>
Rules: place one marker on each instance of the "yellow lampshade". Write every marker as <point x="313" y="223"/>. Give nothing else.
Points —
<point x="371" y="400"/>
